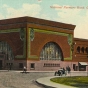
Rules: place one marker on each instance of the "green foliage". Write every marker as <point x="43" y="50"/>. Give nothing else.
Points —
<point x="79" y="81"/>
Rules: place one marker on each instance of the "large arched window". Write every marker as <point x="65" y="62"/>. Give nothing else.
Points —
<point x="51" y="51"/>
<point x="6" y="49"/>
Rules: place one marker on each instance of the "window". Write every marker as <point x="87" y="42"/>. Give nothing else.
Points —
<point x="9" y="64"/>
<point x="86" y="49"/>
<point x="6" y="49"/>
<point x="20" y="65"/>
<point x="78" y="49"/>
<point x="32" y="65"/>
<point x="51" y="51"/>
<point x="82" y="49"/>
<point x="51" y="65"/>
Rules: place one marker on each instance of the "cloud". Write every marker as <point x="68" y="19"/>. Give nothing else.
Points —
<point x="26" y="10"/>
<point x="68" y="14"/>
<point x="1" y="16"/>
<point x="73" y="16"/>
<point x="44" y="16"/>
<point x="81" y="30"/>
<point x="32" y="10"/>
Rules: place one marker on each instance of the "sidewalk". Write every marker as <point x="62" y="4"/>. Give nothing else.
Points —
<point x="45" y="81"/>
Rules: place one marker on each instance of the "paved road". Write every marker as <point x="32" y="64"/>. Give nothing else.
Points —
<point x="12" y="79"/>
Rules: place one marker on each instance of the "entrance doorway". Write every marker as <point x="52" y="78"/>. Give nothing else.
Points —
<point x="0" y="64"/>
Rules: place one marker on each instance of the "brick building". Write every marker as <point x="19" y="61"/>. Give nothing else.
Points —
<point x="40" y="45"/>
<point x="80" y="54"/>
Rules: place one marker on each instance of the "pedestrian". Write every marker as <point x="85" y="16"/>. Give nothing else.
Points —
<point x="69" y="69"/>
<point x="24" y="69"/>
<point x="63" y="70"/>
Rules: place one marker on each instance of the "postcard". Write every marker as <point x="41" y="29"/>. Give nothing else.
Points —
<point x="43" y="44"/>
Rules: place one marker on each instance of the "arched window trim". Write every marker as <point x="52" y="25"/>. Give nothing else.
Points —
<point x="51" y="51"/>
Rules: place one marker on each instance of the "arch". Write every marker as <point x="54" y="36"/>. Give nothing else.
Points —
<point x="9" y="42"/>
<point x="78" y="49"/>
<point x="51" y="51"/>
<point x="7" y="50"/>
<point x="86" y="49"/>
<point x="82" y="49"/>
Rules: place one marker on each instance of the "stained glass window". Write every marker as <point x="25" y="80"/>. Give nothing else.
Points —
<point x="51" y="51"/>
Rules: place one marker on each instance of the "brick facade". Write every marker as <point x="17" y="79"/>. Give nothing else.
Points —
<point x="36" y="33"/>
<point x="81" y="55"/>
<point x="42" y="38"/>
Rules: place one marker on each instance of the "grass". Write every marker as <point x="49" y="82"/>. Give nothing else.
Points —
<point x="78" y="81"/>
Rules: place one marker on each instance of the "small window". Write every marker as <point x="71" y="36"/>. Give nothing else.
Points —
<point x="32" y="65"/>
<point x="82" y="49"/>
<point x="78" y="49"/>
<point x="86" y="49"/>
<point x="9" y="64"/>
<point x="20" y="65"/>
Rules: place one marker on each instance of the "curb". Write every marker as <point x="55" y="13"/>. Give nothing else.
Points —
<point x="45" y="82"/>
<point x="46" y="86"/>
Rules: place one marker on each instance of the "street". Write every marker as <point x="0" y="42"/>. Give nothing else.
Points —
<point x="14" y="79"/>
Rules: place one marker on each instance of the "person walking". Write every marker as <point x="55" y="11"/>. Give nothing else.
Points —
<point x="24" y="69"/>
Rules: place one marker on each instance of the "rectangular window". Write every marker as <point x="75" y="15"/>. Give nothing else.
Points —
<point x="20" y="65"/>
<point x="9" y="64"/>
<point x="32" y="65"/>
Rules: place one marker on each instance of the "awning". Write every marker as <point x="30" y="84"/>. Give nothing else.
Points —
<point x="83" y="63"/>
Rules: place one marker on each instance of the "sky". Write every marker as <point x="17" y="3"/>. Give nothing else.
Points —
<point x="65" y="11"/>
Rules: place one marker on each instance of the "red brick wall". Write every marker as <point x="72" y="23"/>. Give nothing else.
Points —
<point x="13" y="39"/>
<point x="80" y="56"/>
<point x="41" y="39"/>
